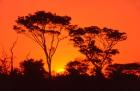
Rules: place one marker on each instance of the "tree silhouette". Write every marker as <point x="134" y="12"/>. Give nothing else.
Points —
<point x="46" y="29"/>
<point x="33" y="69"/>
<point x="98" y="45"/>
<point x="123" y="70"/>
<point x="77" y="68"/>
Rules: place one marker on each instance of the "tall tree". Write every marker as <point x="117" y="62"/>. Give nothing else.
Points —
<point x="98" y="45"/>
<point x="46" y="29"/>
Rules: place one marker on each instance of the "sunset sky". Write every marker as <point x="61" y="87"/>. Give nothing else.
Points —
<point x="123" y="15"/>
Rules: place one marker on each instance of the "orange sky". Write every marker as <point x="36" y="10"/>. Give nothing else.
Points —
<point x="123" y="15"/>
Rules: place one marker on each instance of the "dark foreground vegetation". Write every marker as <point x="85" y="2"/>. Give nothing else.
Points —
<point x="31" y="76"/>
<point x="69" y="83"/>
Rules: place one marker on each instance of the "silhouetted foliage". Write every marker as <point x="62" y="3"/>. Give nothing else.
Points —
<point x="46" y="29"/>
<point x="124" y="71"/>
<point x="98" y="45"/>
<point x="4" y="65"/>
<point x="33" y="69"/>
<point x="77" y="68"/>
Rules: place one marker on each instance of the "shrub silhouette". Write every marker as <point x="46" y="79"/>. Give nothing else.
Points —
<point x="77" y="68"/>
<point x="124" y="71"/>
<point x="4" y="66"/>
<point x="33" y="69"/>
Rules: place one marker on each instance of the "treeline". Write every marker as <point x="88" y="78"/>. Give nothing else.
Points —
<point x="78" y="76"/>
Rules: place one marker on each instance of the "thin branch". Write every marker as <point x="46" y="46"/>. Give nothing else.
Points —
<point x="12" y="52"/>
<point x="51" y="48"/>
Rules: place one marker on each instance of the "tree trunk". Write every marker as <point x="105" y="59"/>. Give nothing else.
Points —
<point x="48" y="63"/>
<point x="98" y="73"/>
<point x="11" y="65"/>
<point x="49" y="68"/>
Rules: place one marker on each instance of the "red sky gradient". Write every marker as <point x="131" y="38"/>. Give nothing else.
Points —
<point x="123" y="15"/>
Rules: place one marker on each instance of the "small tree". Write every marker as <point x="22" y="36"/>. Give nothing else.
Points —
<point x="46" y="29"/>
<point x="33" y="69"/>
<point x="98" y="45"/>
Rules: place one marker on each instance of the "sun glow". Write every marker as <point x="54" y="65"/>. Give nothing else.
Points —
<point x="61" y="70"/>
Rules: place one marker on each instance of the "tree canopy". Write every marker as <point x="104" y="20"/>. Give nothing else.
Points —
<point x="98" y="45"/>
<point x="46" y="29"/>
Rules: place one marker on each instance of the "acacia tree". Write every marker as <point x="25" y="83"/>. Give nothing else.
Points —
<point x="46" y="29"/>
<point x="98" y="45"/>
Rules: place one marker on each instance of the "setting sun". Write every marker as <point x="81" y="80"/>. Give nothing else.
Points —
<point x="61" y="70"/>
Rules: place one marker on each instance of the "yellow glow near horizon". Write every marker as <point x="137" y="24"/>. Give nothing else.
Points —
<point x="61" y="70"/>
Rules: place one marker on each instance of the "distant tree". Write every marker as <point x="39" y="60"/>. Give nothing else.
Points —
<point x="77" y="68"/>
<point x="33" y="69"/>
<point x="46" y="29"/>
<point x="123" y="70"/>
<point x="98" y="45"/>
